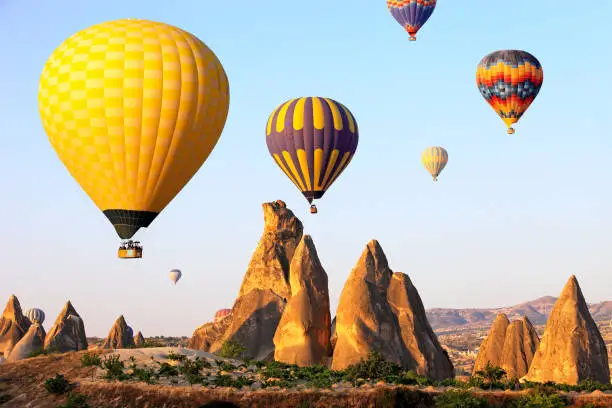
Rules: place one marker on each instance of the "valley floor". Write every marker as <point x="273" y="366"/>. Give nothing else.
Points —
<point x="22" y="384"/>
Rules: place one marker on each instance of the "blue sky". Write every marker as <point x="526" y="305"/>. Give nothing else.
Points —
<point x="511" y="218"/>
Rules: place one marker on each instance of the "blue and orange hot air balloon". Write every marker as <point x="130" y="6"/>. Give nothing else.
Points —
<point x="509" y="80"/>
<point x="312" y="140"/>
<point x="411" y="14"/>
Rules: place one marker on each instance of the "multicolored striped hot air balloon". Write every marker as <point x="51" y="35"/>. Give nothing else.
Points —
<point x="509" y="80"/>
<point x="411" y="14"/>
<point x="312" y="140"/>
<point x="36" y="316"/>
<point x="434" y="159"/>
<point x="221" y="314"/>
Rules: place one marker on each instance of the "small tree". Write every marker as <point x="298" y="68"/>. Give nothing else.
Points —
<point x="491" y="374"/>
<point x="232" y="349"/>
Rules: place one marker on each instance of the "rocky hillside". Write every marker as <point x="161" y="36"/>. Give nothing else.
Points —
<point x="536" y="310"/>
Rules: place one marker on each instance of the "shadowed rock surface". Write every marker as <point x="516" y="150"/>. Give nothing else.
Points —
<point x="253" y="323"/>
<point x="424" y="354"/>
<point x="68" y="331"/>
<point x="364" y="319"/>
<point x="520" y="345"/>
<point x="13" y="326"/>
<point x="264" y="291"/>
<point x="139" y="340"/>
<point x="303" y="334"/>
<point x="572" y="348"/>
<point x="32" y="342"/>
<point x="493" y="346"/>
<point x="120" y="335"/>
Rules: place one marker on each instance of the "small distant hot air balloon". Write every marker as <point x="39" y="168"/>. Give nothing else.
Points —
<point x="312" y="140"/>
<point x="221" y="314"/>
<point x="509" y="80"/>
<point x="434" y="159"/>
<point x="133" y="108"/>
<point x="175" y="275"/>
<point x="411" y="14"/>
<point x="36" y="316"/>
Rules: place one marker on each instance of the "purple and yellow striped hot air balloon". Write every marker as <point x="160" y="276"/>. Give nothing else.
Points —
<point x="411" y="14"/>
<point x="312" y="140"/>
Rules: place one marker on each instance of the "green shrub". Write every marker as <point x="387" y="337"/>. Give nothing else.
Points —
<point x="57" y="385"/>
<point x="75" y="401"/>
<point x="146" y="374"/>
<point x="225" y="366"/>
<point x="540" y="400"/>
<point x="114" y="368"/>
<point x="166" y="370"/>
<point x="191" y="370"/>
<point x="228" y="381"/>
<point x="89" y="360"/>
<point x="152" y="344"/>
<point x="176" y="356"/>
<point x="460" y="399"/>
<point x="232" y="349"/>
<point x="589" y="385"/>
<point x="374" y="368"/>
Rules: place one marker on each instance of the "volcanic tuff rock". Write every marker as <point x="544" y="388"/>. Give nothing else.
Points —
<point x="492" y="347"/>
<point x="68" y="332"/>
<point x="269" y="266"/>
<point x="520" y="345"/>
<point x="32" y="342"/>
<point x="120" y="335"/>
<point x="303" y="334"/>
<point x="572" y="348"/>
<point x="364" y="319"/>
<point x="254" y="320"/>
<point x="204" y="336"/>
<point x="424" y="354"/>
<point x="264" y="291"/>
<point x="13" y="326"/>
<point x="139" y="340"/>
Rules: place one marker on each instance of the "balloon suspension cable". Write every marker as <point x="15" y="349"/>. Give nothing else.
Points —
<point x="510" y="131"/>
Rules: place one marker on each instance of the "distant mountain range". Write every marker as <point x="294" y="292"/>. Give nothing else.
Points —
<point x="536" y="310"/>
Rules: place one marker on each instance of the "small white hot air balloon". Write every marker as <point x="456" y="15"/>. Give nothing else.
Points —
<point x="36" y="316"/>
<point x="175" y="275"/>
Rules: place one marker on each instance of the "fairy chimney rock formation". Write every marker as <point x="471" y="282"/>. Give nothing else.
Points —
<point x="572" y="349"/>
<point x="264" y="292"/>
<point x="139" y="340"/>
<point x="492" y="347"/>
<point x="68" y="332"/>
<point x="424" y="353"/>
<point x="32" y="342"/>
<point x="13" y="326"/>
<point x="120" y="336"/>
<point x="303" y="334"/>
<point x="364" y="319"/>
<point x="520" y="345"/>
<point x="269" y="266"/>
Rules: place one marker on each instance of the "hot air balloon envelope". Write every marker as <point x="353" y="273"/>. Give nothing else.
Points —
<point x="411" y="14"/>
<point x="222" y="314"/>
<point x="312" y="140"/>
<point x="175" y="275"/>
<point x="434" y="159"/>
<point x="36" y="316"/>
<point x="509" y="80"/>
<point x="133" y="108"/>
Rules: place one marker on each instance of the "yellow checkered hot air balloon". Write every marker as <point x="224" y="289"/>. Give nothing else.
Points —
<point x="133" y="108"/>
<point x="434" y="159"/>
